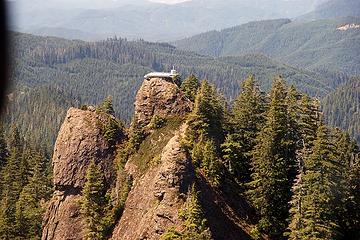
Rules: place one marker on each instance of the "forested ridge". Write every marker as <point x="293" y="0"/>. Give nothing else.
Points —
<point x="80" y="72"/>
<point x="342" y="107"/>
<point x="314" y="45"/>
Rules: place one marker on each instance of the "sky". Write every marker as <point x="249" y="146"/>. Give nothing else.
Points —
<point x="169" y="1"/>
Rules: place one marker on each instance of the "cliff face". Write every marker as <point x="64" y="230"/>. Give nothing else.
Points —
<point x="153" y="204"/>
<point x="161" y="170"/>
<point x="80" y="140"/>
<point x="159" y="97"/>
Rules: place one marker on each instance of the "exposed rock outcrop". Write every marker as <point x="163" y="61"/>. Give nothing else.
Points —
<point x="80" y="141"/>
<point x="160" y="97"/>
<point x="153" y="204"/>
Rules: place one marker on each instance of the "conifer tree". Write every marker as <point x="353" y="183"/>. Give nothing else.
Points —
<point x="273" y="161"/>
<point x="347" y="205"/>
<point x="93" y="203"/>
<point x="248" y="119"/>
<point x="193" y="220"/>
<point x="190" y="87"/>
<point x="207" y="115"/>
<point x="309" y="120"/>
<point x="29" y="211"/>
<point x="315" y="219"/>
<point x="14" y="178"/>
<point x="107" y="106"/>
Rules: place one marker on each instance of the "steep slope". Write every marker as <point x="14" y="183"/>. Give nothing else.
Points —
<point x="80" y="141"/>
<point x="342" y="108"/>
<point x="161" y="170"/>
<point x="163" y="173"/>
<point x="313" y="45"/>
<point x="162" y="191"/>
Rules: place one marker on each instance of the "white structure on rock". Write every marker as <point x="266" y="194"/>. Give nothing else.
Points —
<point x="171" y="75"/>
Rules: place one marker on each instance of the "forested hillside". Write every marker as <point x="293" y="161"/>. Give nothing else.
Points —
<point x="262" y="165"/>
<point x="334" y="8"/>
<point x="38" y="113"/>
<point x="342" y="107"/>
<point x="314" y="45"/>
<point x="85" y="73"/>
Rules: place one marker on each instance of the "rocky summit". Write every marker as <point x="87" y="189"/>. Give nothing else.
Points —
<point x="158" y="96"/>
<point x="80" y="140"/>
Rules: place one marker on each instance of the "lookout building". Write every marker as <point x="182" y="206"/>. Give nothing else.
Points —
<point x="167" y="75"/>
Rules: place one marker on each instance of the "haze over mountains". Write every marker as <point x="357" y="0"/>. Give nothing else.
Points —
<point x="326" y="45"/>
<point x="94" y="20"/>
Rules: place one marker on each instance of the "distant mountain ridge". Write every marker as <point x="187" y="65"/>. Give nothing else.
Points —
<point x="334" y="9"/>
<point x="315" y="45"/>
<point x="149" y="21"/>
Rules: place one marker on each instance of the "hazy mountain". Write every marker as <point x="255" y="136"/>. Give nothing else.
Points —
<point x="144" y="19"/>
<point x="334" y="8"/>
<point x="328" y="45"/>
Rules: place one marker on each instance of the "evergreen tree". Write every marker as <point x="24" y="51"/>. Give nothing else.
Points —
<point x="107" y="106"/>
<point x="14" y="178"/>
<point x="190" y="87"/>
<point x="204" y="155"/>
<point x="247" y="122"/>
<point x="273" y="162"/>
<point x="29" y="209"/>
<point x="193" y="220"/>
<point x="309" y="120"/>
<point x="347" y="205"/>
<point x="315" y="219"/>
<point x="207" y="115"/>
<point x="93" y="203"/>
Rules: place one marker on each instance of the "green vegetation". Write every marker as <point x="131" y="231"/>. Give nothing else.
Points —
<point x="51" y="74"/>
<point x="152" y="143"/>
<point x="314" y="45"/>
<point x="193" y="221"/>
<point x="299" y="175"/>
<point x="190" y="87"/>
<point x="93" y="202"/>
<point x="25" y="185"/>
<point x="342" y="107"/>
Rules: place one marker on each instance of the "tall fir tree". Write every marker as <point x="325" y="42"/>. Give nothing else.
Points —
<point x="14" y="178"/>
<point x="347" y="204"/>
<point x="190" y="87"/>
<point x="248" y="118"/>
<point x="316" y="219"/>
<point x="207" y="115"/>
<point x="272" y="164"/>
<point x="29" y="209"/>
<point x="93" y="203"/>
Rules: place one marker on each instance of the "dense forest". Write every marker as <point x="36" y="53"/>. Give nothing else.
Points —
<point x="342" y="107"/>
<point x="273" y="149"/>
<point x="314" y="45"/>
<point x="299" y="175"/>
<point x="51" y="73"/>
